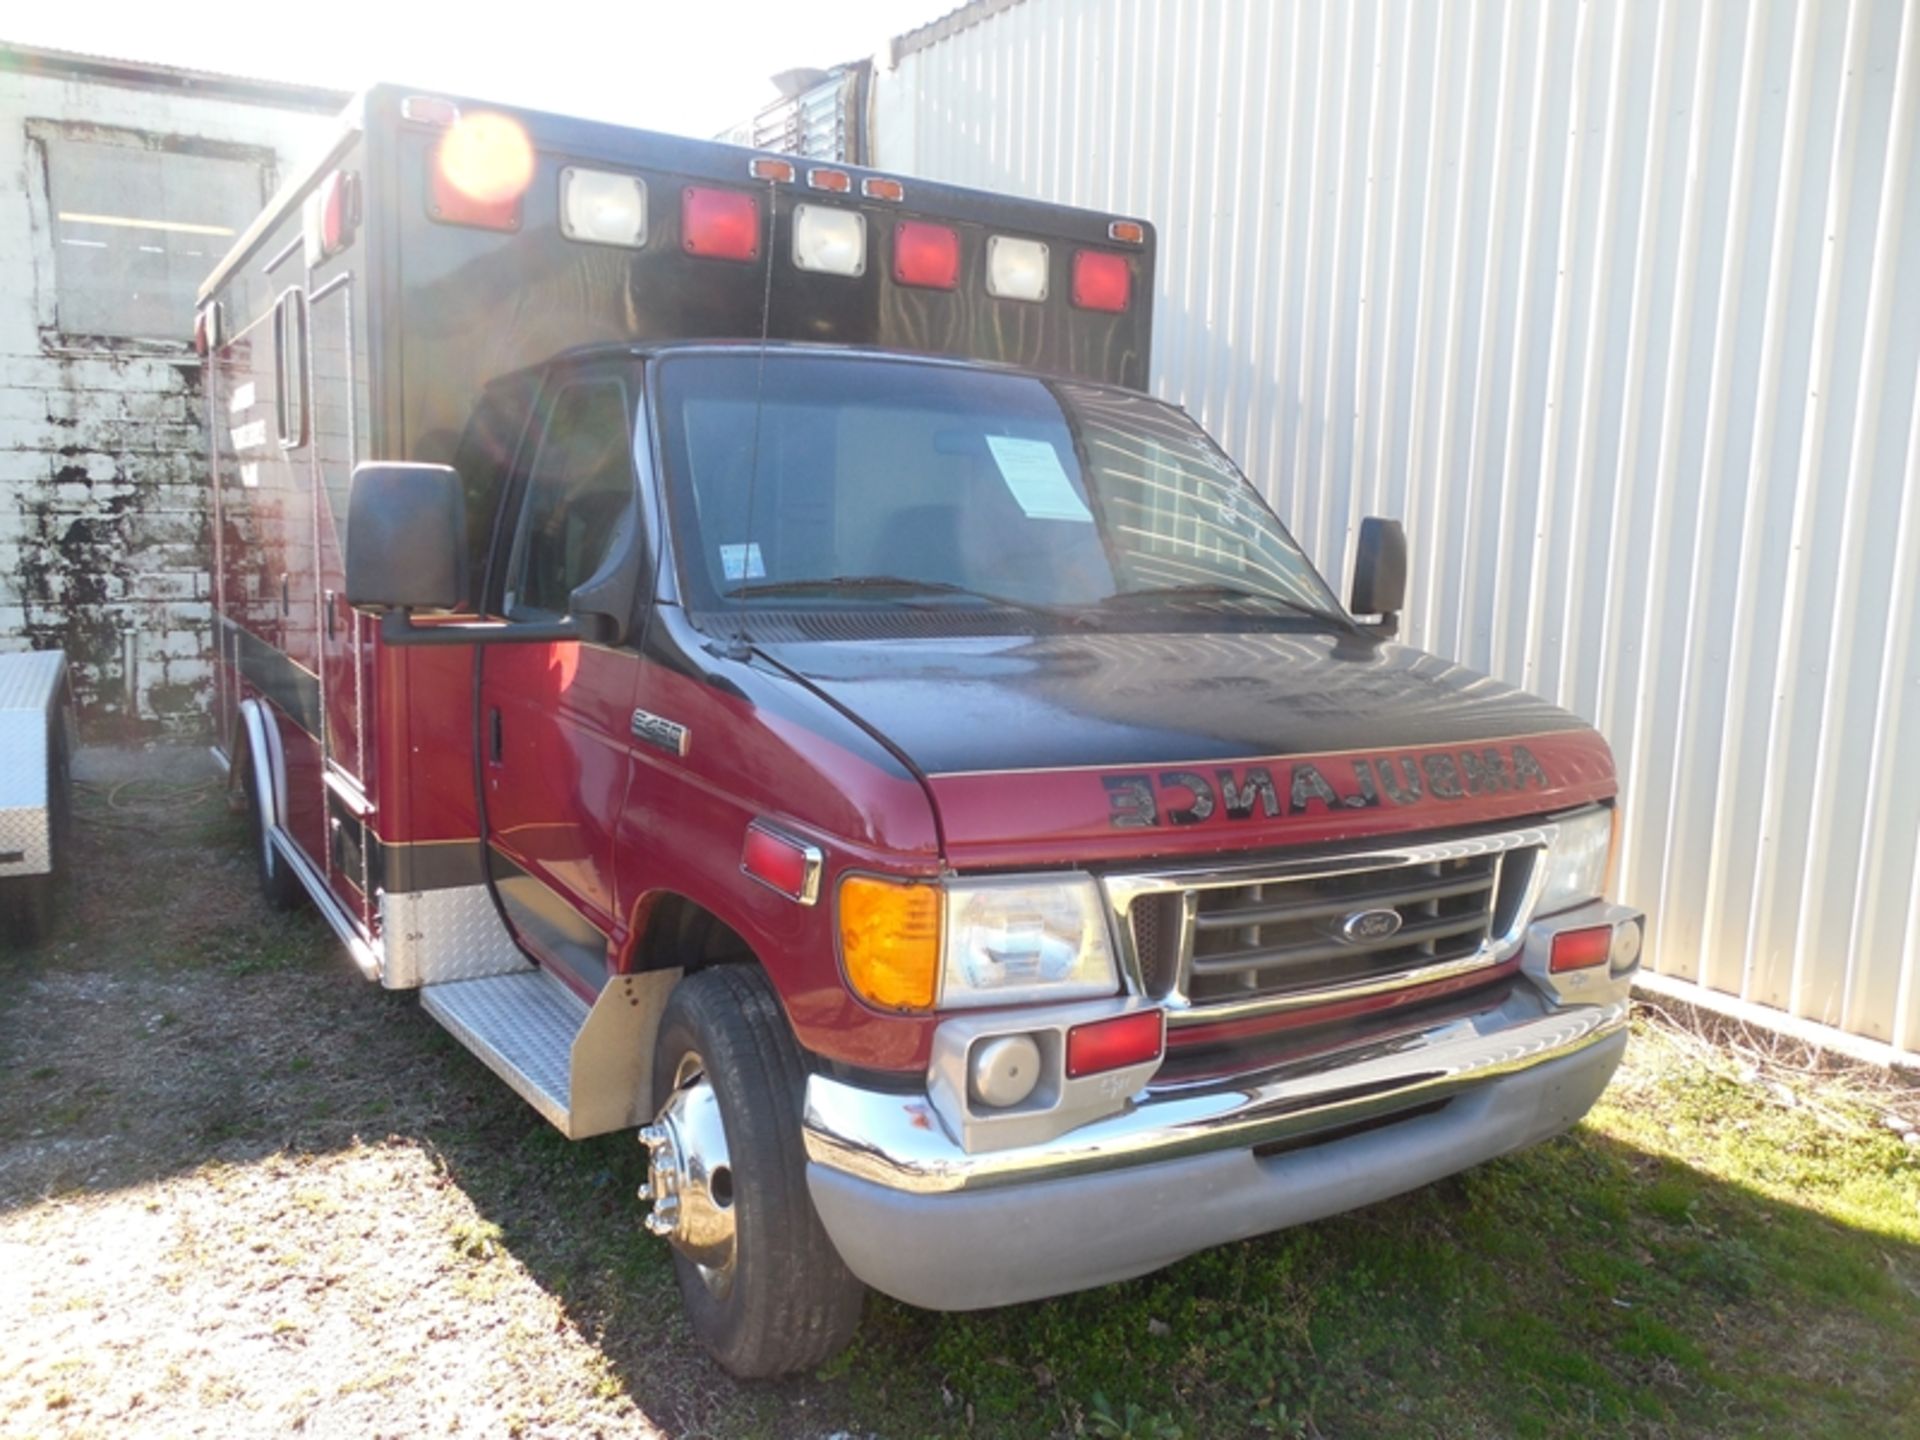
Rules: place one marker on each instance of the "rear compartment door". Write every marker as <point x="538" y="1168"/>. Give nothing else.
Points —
<point x="556" y="719"/>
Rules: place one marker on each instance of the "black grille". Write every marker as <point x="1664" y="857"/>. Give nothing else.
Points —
<point x="1297" y="936"/>
<point x="1156" y="941"/>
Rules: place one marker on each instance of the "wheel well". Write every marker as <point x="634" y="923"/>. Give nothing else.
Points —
<point x="675" y="931"/>
<point x="264" y="773"/>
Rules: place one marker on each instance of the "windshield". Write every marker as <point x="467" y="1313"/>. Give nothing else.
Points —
<point x="867" y="482"/>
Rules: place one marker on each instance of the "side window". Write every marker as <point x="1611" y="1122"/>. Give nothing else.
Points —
<point x="486" y="450"/>
<point x="582" y="479"/>
<point x="290" y="368"/>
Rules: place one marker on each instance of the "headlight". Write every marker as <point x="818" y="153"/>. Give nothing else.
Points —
<point x="987" y="942"/>
<point x="1577" y="862"/>
<point x="1026" y="940"/>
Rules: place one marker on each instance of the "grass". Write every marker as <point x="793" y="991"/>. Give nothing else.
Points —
<point x="1724" y="1248"/>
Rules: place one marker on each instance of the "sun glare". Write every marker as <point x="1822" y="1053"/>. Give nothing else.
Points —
<point x="487" y="158"/>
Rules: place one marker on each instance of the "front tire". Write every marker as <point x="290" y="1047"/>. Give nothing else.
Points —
<point x="768" y="1294"/>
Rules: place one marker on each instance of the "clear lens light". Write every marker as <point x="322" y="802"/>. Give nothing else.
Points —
<point x="1577" y="862"/>
<point x="1016" y="269"/>
<point x="829" y="240"/>
<point x="1041" y="940"/>
<point x="603" y="208"/>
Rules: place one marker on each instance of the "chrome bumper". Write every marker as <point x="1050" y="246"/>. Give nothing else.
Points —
<point x="898" y="1141"/>
<point x="928" y="1224"/>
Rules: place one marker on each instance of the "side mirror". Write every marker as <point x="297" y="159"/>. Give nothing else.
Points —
<point x="406" y="538"/>
<point x="1380" y="572"/>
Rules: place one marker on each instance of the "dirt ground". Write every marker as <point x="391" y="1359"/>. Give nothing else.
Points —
<point x="243" y="1192"/>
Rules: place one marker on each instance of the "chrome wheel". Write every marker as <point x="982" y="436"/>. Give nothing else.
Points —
<point x="690" y="1179"/>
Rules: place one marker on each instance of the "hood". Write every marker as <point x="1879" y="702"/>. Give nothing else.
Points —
<point x="1074" y="747"/>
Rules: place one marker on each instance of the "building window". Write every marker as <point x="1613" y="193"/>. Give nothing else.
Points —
<point x="136" y="229"/>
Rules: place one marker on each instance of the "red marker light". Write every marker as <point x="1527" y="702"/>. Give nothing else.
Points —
<point x="926" y="255"/>
<point x="336" y="211"/>
<point x="1127" y="232"/>
<point x="767" y="167"/>
<point x="782" y="863"/>
<point x="838" y="181"/>
<point x="1115" y="1044"/>
<point x="719" y="224"/>
<point x="1101" y="280"/>
<point x="331" y="214"/>
<point x="1578" y="949"/>
<point x="201" y="343"/>
<point x="879" y="187"/>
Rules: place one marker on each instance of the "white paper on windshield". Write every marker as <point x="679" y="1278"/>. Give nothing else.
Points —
<point x="1038" y="481"/>
<point x="742" y="562"/>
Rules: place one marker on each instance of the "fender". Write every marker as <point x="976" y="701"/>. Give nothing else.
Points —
<point x="269" y="764"/>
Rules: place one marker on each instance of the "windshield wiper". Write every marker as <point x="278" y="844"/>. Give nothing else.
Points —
<point x="839" y="584"/>
<point x="1199" y="590"/>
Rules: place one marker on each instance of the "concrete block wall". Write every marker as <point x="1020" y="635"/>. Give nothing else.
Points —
<point x="105" y="545"/>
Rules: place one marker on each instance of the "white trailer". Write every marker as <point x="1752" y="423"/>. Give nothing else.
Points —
<point x="36" y="790"/>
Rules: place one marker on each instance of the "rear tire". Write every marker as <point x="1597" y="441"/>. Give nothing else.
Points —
<point x="280" y="887"/>
<point x="26" y="910"/>
<point x="786" y="1302"/>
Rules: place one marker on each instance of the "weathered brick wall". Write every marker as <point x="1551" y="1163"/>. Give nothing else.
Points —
<point x="104" y="538"/>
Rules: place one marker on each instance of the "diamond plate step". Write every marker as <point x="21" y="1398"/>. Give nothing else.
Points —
<point x="522" y="1026"/>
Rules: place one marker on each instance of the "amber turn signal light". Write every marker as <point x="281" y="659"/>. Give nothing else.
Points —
<point x="890" y="941"/>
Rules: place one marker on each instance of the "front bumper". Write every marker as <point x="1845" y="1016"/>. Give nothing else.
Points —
<point x="919" y="1217"/>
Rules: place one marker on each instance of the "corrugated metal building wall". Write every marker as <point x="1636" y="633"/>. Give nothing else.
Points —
<point x="1618" y="306"/>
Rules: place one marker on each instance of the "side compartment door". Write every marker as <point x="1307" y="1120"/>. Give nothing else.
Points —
<point x="555" y="719"/>
<point x="339" y="425"/>
<point x="292" y="661"/>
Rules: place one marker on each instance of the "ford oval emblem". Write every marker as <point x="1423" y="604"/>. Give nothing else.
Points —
<point x="1367" y="925"/>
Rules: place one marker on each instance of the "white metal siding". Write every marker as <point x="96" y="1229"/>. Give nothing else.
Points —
<point x="1618" y="306"/>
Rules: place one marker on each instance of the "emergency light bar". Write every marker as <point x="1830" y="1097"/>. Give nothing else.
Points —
<point x="601" y="207"/>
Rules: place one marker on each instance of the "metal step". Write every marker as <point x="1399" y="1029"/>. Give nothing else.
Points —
<point x="523" y="1026"/>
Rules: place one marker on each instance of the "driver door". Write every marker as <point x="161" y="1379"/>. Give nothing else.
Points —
<point x="555" y="718"/>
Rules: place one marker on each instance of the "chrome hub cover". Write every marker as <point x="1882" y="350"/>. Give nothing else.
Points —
<point x="690" y="1179"/>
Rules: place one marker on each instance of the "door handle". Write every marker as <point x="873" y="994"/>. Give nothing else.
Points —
<point x="494" y="737"/>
